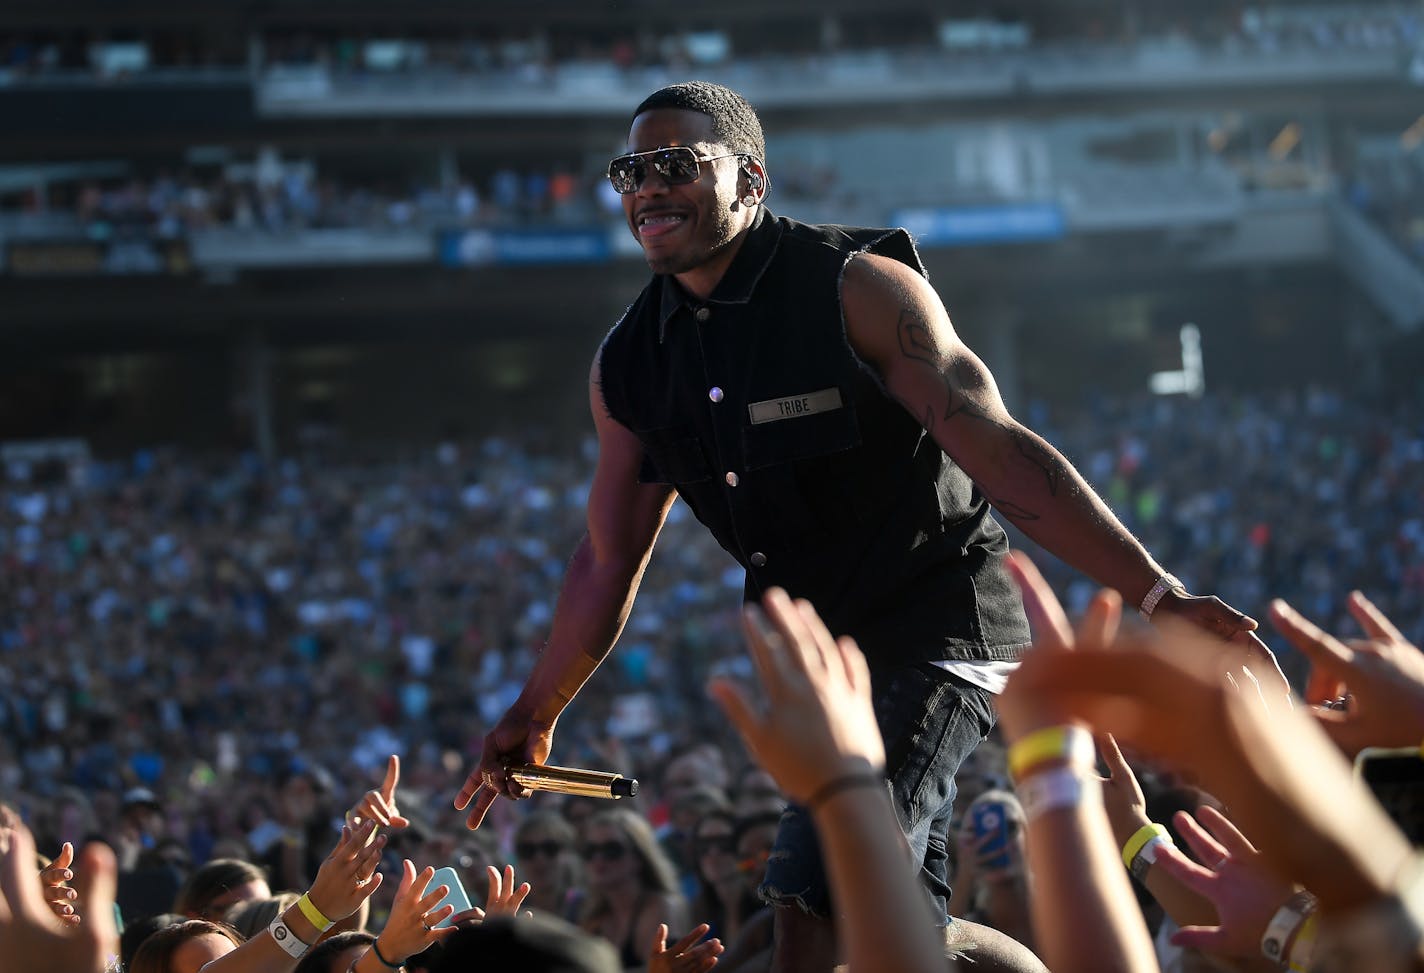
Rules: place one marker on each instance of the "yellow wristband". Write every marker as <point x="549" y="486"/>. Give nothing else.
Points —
<point x="1140" y="838"/>
<point x="1071" y="744"/>
<point x="1302" y="947"/>
<point x="313" y="914"/>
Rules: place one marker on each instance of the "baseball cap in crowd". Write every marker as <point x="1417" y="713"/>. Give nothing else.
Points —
<point x="140" y="797"/>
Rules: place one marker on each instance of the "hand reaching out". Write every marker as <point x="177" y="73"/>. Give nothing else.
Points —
<point x="505" y="897"/>
<point x="515" y="739"/>
<point x="818" y="723"/>
<point x="687" y="955"/>
<point x="1146" y="689"/>
<point x="410" y="928"/>
<point x="1256" y="663"/>
<point x="1235" y="880"/>
<point x="1383" y="675"/>
<point x="1122" y="794"/>
<point x="30" y="939"/>
<point x="348" y="876"/>
<point x="57" y="894"/>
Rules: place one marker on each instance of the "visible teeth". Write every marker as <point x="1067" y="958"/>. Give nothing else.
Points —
<point x="661" y="219"/>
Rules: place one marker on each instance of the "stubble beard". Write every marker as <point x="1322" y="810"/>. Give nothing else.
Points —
<point x="724" y="232"/>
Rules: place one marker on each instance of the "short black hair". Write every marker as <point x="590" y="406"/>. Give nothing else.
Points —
<point x="734" y="122"/>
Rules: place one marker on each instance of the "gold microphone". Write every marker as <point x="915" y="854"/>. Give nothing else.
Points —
<point x="572" y="780"/>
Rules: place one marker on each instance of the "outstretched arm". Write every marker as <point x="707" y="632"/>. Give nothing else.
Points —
<point x="624" y="518"/>
<point x="897" y="325"/>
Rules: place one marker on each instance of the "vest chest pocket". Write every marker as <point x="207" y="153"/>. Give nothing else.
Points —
<point x="777" y="433"/>
<point x="673" y="455"/>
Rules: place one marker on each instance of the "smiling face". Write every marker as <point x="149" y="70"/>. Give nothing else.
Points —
<point x="691" y="231"/>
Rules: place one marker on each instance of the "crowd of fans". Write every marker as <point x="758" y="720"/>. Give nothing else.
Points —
<point x="206" y="660"/>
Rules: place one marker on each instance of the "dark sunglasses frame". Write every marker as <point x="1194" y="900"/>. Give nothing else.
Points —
<point x="524" y="850"/>
<point x="677" y="165"/>
<point x="611" y="850"/>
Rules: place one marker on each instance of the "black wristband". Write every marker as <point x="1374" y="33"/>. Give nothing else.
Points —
<point x="376" y="948"/>
<point x="837" y="784"/>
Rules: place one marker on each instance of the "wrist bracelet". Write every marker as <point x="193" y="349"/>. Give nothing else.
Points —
<point x="1286" y="923"/>
<point x="1139" y="839"/>
<point x="834" y="786"/>
<point x="1057" y="788"/>
<point x="376" y="948"/>
<point x="1071" y="744"/>
<point x="283" y="936"/>
<point x="313" y="914"/>
<point x="1147" y="857"/>
<point x="1164" y="584"/>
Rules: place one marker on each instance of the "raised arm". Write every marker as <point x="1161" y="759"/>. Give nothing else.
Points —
<point x="624" y="517"/>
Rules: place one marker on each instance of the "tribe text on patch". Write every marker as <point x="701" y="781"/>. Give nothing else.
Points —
<point x="795" y="406"/>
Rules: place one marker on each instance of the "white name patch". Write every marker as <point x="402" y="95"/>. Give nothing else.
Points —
<point x="795" y="406"/>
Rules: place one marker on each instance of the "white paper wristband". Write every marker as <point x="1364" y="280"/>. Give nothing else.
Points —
<point x="1056" y="788"/>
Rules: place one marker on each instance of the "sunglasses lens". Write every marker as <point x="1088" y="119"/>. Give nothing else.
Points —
<point x="676" y="166"/>
<point x="723" y="844"/>
<point x="611" y="850"/>
<point x="548" y="849"/>
<point x="626" y="173"/>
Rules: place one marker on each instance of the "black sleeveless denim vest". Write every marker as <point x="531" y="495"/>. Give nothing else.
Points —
<point x="754" y="406"/>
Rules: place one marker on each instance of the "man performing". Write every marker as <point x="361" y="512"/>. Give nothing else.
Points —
<point x="802" y="389"/>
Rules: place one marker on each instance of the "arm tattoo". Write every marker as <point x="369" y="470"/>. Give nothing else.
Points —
<point x="962" y="380"/>
<point x="917" y="344"/>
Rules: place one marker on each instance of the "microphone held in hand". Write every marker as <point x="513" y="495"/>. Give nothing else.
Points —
<point x="572" y="780"/>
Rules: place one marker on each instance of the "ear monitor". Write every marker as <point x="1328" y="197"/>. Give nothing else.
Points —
<point x="755" y="181"/>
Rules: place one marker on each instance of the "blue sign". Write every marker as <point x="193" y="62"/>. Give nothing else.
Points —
<point x="966" y="225"/>
<point x="470" y="248"/>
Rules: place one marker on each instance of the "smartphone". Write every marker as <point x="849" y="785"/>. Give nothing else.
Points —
<point x="448" y="877"/>
<point x="1396" y="779"/>
<point x="989" y="818"/>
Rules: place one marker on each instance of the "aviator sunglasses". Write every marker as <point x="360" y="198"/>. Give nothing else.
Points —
<point x="678" y="165"/>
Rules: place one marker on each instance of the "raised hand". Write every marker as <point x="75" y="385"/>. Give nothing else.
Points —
<point x="1382" y="674"/>
<point x="505" y="897"/>
<point x="57" y="895"/>
<point x="818" y="723"/>
<point x="348" y="876"/>
<point x="31" y="941"/>
<point x="1122" y="794"/>
<point x="411" y="926"/>
<point x="687" y="955"/>
<point x="1235" y="880"/>
<point x="379" y="804"/>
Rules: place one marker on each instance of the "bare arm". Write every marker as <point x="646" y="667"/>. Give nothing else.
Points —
<point x="816" y="734"/>
<point x="897" y="325"/>
<point x="624" y="518"/>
